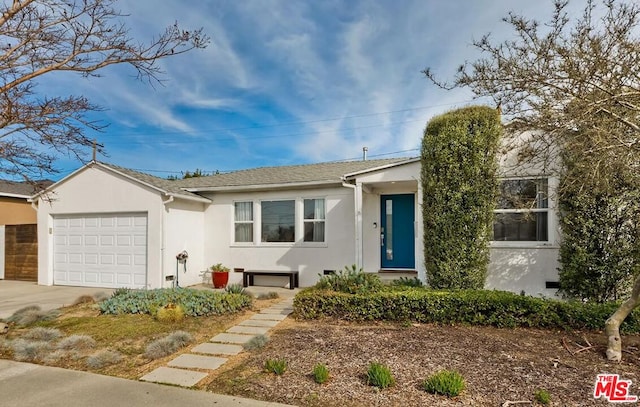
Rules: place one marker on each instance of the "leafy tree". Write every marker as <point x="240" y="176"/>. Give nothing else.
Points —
<point x="41" y="37"/>
<point x="576" y="79"/>
<point x="459" y="185"/>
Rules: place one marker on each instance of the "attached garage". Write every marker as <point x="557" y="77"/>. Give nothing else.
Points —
<point x="100" y="250"/>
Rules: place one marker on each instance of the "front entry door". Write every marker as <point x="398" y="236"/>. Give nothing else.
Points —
<point x="397" y="233"/>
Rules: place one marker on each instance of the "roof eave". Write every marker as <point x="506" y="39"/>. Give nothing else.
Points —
<point x="382" y="167"/>
<point x="264" y="187"/>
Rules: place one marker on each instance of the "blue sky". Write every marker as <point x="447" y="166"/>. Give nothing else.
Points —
<point x="287" y="82"/>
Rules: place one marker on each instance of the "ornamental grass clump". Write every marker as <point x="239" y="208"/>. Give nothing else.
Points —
<point x="30" y="351"/>
<point x="170" y="313"/>
<point x="379" y="375"/>
<point x="31" y="314"/>
<point x="277" y="366"/>
<point x="42" y="334"/>
<point x="103" y="358"/>
<point x="256" y="342"/>
<point x="320" y="373"/>
<point x="168" y="345"/>
<point x="446" y="382"/>
<point x="74" y="342"/>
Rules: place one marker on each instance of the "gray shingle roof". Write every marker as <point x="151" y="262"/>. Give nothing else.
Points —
<point x="24" y="189"/>
<point x="291" y="174"/>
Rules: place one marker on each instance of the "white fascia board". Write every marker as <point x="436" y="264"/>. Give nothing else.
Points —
<point x="265" y="187"/>
<point x="8" y="195"/>
<point x="382" y="167"/>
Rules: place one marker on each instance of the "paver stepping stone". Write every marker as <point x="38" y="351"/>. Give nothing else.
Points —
<point x="169" y="375"/>
<point x="269" y="317"/>
<point x="232" y="338"/>
<point x="276" y="311"/>
<point x="197" y="361"/>
<point x="217" y="349"/>
<point x="259" y="322"/>
<point x="258" y="330"/>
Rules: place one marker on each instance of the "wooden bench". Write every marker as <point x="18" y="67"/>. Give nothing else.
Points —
<point x="247" y="276"/>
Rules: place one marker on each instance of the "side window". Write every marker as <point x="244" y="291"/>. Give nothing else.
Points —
<point x="278" y="221"/>
<point x="243" y="222"/>
<point x="522" y="213"/>
<point x="314" y="220"/>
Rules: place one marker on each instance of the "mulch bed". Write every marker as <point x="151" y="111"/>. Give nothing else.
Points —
<point x="499" y="365"/>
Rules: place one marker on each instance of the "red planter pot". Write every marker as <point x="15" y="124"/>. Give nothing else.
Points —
<point x="220" y="279"/>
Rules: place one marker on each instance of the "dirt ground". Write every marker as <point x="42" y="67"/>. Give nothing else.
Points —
<point x="499" y="365"/>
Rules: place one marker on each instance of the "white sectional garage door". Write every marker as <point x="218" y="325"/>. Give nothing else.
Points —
<point x="100" y="250"/>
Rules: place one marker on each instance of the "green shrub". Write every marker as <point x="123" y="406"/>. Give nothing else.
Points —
<point x="170" y="313"/>
<point x="407" y="282"/>
<point x="320" y="373"/>
<point x="351" y="281"/>
<point x="256" y="342"/>
<point x="445" y="382"/>
<point x="459" y="190"/>
<point x="542" y="396"/>
<point x="167" y="345"/>
<point x="379" y="375"/>
<point x="103" y="358"/>
<point x="195" y="302"/>
<point x="475" y="307"/>
<point x="277" y="366"/>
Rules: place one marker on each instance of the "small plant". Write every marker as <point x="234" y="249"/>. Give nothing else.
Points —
<point x="351" y="280"/>
<point x="542" y="396"/>
<point x="119" y="292"/>
<point x="100" y="296"/>
<point x="235" y="288"/>
<point x="103" y="358"/>
<point x="256" y="342"/>
<point x="31" y="314"/>
<point x="446" y="382"/>
<point x="168" y="345"/>
<point x="277" y="366"/>
<point x="407" y="282"/>
<point x="84" y="299"/>
<point x="271" y="295"/>
<point x="29" y="351"/>
<point x="42" y="334"/>
<point x="170" y="313"/>
<point x="379" y="375"/>
<point x="218" y="267"/>
<point x="76" y="342"/>
<point x="320" y="373"/>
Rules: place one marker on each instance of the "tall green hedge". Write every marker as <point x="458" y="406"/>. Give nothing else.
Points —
<point x="459" y="184"/>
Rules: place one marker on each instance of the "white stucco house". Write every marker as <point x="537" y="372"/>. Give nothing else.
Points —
<point x="107" y="226"/>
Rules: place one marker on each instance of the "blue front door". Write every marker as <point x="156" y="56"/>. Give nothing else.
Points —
<point x="397" y="233"/>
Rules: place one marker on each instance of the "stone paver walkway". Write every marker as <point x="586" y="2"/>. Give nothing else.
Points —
<point x="211" y="355"/>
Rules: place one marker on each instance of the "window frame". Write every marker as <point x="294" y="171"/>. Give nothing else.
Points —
<point x="261" y="220"/>
<point x="252" y="222"/>
<point x="549" y="210"/>
<point x="314" y="221"/>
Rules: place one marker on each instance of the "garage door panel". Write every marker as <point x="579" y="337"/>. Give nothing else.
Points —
<point x="105" y="250"/>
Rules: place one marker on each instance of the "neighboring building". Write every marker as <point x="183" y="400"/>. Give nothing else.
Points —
<point x="18" y="232"/>
<point x="107" y="226"/>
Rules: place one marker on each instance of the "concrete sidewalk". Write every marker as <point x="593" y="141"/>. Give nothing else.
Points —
<point x="25" y="384"/>
<point x="18" y="294"/>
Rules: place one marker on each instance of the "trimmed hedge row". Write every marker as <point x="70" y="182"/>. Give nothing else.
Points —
<point x="475" y="307"/>
<point x="195" y="302"/>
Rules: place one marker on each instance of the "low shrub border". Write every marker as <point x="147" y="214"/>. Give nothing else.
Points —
<point x="194" y="302"/>
<point x="475" y="307"/>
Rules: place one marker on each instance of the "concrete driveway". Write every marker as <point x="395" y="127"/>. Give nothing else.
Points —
<point x="18" y="294"/>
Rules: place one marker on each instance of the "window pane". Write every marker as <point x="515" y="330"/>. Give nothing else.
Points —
<point x="314" y="209"/>
<point x="244" y="232"/>
<point x="314" y="231"/>
<point x="521" y="227"/>
<point x="278" y="221"/>
<point x="244" y="211"/>
<point x="523" y="194"/>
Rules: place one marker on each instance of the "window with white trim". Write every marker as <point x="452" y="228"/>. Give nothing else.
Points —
<point x="314" y="220"/>
<point x="278" y="221"/>
<point x="243" y="222"/>
<point x="522" y="213"/>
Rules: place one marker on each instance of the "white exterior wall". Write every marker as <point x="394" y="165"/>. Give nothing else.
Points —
<point x="309" y="258"/>
<point x="95" y="190"/>
<point x="184" y="230"/>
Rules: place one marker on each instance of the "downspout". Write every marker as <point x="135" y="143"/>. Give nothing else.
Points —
<point x="356" y="211"/>
<point x="163" y="237"/>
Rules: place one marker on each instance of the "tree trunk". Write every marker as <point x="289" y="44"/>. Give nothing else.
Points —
<point x="612" y="326"/>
